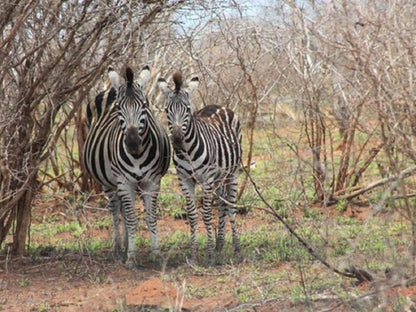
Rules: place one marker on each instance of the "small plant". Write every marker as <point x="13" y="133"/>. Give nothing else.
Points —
<point x="342" y="205"/>
<point x="179" y="213"/>
<point x="44" y="308"/>
<point x="297" y="295"/>
<point x="24" y="282"/>
<point x="245" y="293"/>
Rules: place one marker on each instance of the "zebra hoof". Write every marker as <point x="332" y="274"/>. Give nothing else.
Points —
<point x="117" y="255"/>
<point x="156" y="257"/>
<point x="130" y="264"/>
<point x="219" y="246"/>
<point x="211" y="261"/>
<point x="156" y="251"/>
<point x="191" y="261"/>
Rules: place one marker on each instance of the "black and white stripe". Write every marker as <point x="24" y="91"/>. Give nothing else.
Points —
<point x="207" y="151"/>
<point x="127" y="151"/>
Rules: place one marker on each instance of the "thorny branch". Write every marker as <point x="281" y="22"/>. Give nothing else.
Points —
<point x="292" y="231"/>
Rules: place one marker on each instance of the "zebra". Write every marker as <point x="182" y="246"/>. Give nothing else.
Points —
<point x="127" y="151"/>
<point x="207" y="151"/>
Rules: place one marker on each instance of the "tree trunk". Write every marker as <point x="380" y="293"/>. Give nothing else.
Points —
<point x="23" y="217"/>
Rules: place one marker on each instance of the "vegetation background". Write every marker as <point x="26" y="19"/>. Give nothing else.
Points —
<point x="326" y="94"/>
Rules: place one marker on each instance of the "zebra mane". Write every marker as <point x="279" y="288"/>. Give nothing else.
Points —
<point x="129" y="76"/>
<point x="177" y="79"/>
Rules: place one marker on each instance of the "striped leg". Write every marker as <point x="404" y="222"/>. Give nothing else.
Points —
<point x="150" y="202"/>
<point x="231" y="191"/>
<point x="222" y="212"/>
<point x="127" y="195"/>
<point x="114" y="205"/>
<point x="207" y="216"/>
<point x="125" y="235"/>
<point x="227" y="195"/>
<point x="188" y="189"/>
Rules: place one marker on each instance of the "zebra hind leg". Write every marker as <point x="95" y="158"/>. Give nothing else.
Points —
<point x="231" y="191"/>
<point x="222" y="211"/>
<point x="207" y="216"/>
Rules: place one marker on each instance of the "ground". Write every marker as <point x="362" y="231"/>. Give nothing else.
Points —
<point x="74" y="282"/>
<point x="65" y="281"/>
<point x="54" y="286"/>
<point x="91" y="281"/>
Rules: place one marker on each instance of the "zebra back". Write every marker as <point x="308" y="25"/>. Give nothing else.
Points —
<point x="220" y="129"/>
<point x="100" y="106"/>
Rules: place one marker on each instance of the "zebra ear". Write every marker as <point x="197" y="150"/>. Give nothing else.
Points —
<point x="193" y="85"/>
<point x="163" y="86"/>
<point x="114" y="77"/>
<point x="144" y="76"/>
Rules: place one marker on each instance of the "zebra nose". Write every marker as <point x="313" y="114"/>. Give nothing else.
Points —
<point x="132" y="141"/>
<point x="177" y="136"/>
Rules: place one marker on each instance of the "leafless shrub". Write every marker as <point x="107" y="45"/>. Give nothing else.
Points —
<point x="52" y="55"/>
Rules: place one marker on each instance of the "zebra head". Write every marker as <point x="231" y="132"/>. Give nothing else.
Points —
<point x="179" y="110"/>
<point x="131" y="106"/>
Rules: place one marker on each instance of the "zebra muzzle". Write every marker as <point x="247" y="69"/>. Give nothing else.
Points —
<point x="132" y="141"/>
<point x="177" y="137"/>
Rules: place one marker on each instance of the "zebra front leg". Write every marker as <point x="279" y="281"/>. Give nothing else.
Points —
<point x="188" y="189"/>
<point x="150" y="202"/>
<point x="192" y="214"/>
<point x="125" y="235"/>
<point x="127" y="195"/>
<point x="114" y="206"/>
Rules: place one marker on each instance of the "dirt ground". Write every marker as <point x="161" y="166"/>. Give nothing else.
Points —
<point x="51" y="286"/>
<point x="82" y="282"/>
<point x="75" y="282"/>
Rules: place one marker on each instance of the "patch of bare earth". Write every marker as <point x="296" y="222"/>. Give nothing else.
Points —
<point x="82" y="284"/>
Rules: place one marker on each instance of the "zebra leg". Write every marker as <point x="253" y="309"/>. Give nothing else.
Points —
<point x="127" y="195"/>
<point x="150" y="202"/>
<point x="231" y="197"/>
<point x="222" y="211"/>
<point x="125" y="235"/>
<point x="207" y="216"/>
<point x="188" y="190"/>
<point x="114" y="205"/>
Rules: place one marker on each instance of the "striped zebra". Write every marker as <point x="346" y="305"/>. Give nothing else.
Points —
<point x="207" y="151"/>
<point x="127" y="151"/>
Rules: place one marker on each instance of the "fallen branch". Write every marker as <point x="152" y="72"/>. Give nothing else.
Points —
<point x="359" y="274"/>
<point x="307" y="246"/>
<point x="402" y="175"/>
